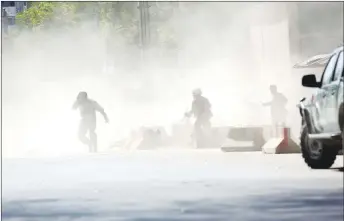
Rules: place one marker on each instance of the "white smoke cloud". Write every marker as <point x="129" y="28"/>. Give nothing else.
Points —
<point x="44" y="71"/>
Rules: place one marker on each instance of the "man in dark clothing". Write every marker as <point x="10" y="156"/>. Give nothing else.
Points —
<point x="201" y="109"/>
<point x="88" y="109"/>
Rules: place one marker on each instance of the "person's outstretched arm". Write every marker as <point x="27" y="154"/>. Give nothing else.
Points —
<point x="266" y="103"/>
<point x="75" y="105"/>
<point x="101" y="110"/>
<point x="192" y="111"/>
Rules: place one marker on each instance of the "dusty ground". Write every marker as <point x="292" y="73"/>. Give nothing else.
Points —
<point x="171" y="185"/>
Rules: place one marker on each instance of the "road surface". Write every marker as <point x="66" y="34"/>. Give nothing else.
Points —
<point x="166" y="185"/>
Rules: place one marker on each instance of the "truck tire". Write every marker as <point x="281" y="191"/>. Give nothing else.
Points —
<point x="325" y="157"/>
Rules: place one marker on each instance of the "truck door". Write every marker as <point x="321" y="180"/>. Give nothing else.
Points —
<point x="324" y="92"/>
<point x="332" y="98"/>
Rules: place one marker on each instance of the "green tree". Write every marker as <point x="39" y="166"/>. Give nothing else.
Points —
<point x="37" y="15"/>
<point x="114" y="19"/>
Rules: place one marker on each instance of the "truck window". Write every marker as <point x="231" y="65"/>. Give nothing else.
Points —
<point x="328" y="72"/>
<point x="339" y="67"/>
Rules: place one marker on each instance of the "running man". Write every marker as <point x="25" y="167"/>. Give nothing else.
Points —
<point x="88" y="109"/>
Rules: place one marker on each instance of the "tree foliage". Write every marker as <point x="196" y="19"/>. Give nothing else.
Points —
<point x="111" y="18"/>
<point x="117" y="15"/>
<point x="37" y="15"/>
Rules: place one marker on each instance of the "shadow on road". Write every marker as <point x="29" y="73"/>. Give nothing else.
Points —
<point x="339" y="169"/>
<point x="297" y="205"/>
<point x="43" y="209"/>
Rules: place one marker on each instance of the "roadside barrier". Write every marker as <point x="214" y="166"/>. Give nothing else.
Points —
<point x="244" y="139"/>
<point x="281" y="142"/>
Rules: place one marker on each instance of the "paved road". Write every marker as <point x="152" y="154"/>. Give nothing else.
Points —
<point x="182" y="185"/>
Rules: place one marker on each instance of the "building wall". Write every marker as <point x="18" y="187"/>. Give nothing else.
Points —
<point x="316" y="27"/>
<point x="11" y="8"/>
<point x="21" y="6"/>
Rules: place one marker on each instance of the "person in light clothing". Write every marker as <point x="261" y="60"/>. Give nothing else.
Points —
<point x="278" y="108"/>
<point x="88" y="109"/>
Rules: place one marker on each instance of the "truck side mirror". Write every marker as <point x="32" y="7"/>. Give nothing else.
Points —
<point x="310" y="81"/>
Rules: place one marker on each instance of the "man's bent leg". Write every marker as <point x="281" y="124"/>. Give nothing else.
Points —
<point x="93" y="137"/>
<point x="198" y="134"/>
<point x="93" y="141"/>
<point x="207" y="132"/>
<point x="207" y="126"/>
<point x="82" y="132"/>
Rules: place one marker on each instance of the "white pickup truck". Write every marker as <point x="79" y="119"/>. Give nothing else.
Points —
<point x="323" y="114"/>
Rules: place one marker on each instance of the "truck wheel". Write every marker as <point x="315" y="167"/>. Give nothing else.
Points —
<point x="316" y="154"/>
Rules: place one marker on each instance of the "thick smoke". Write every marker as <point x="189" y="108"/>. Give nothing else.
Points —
<point x="218" y="50"/>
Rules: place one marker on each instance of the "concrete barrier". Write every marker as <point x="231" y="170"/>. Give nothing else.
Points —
<point x="244" y="139"/>
<point x="239" y="146"/>
<point x="183" y="135"/>
<point x="282" y="143"/>
<point x="268" y="139"/>
<point x="218" y="136"/>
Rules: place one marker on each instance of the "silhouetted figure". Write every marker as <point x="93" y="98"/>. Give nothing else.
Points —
<point x="88" y="109"/>
<point x="201" y="110"/>
<point x="277" y="107"/>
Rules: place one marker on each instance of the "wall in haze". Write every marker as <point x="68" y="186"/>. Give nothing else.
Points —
<point x="317" y="27"/>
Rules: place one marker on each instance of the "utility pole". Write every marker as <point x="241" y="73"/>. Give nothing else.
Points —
<point x="143" y="7"/>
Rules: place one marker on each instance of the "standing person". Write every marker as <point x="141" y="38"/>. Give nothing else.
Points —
<point x="277" y="108"/>
<point x="201" y="109"/>
<point x="88" y="109"/>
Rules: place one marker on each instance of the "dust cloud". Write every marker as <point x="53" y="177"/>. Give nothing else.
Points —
<point x="218" y="50"/>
